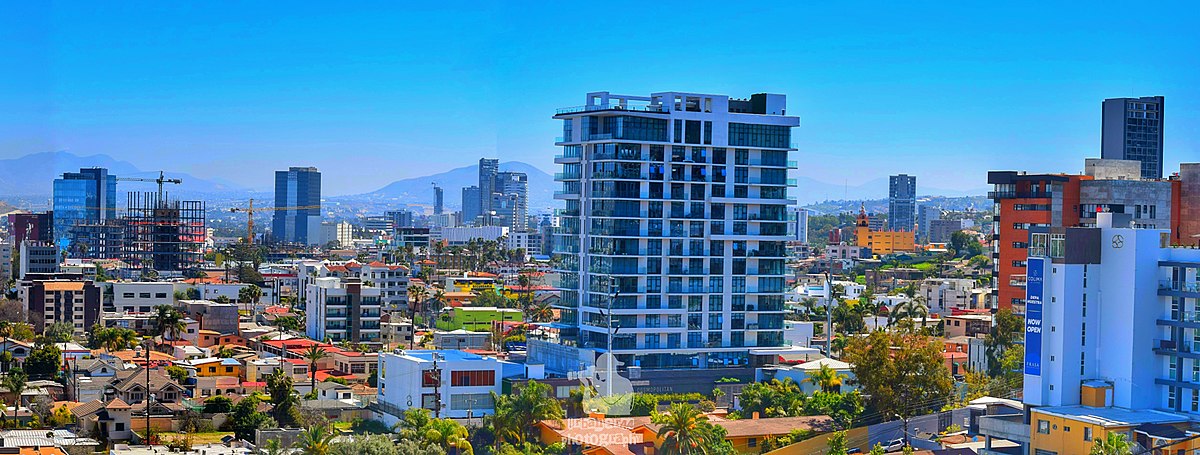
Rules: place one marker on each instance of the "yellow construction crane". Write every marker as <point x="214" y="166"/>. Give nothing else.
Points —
<point x="160" y="181"/>
<point x="249" y="210"/>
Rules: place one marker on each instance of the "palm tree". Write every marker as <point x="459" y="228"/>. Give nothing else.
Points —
<point x="909" y="309"/>
<point x="525" y="282"/>
<point x="170" y="323"/>
<point x="683" y="430"/>
<point x="838" y="344"/>
<point x="540" y="313"/>
<point x="1113" y="444"/>
<point x="14" y="381"/>
<point x="808" y="304"/>
<point x="314" y="353"/>
<point x="828" y="379"/>
<point x="316" y="440"/>
<point x="416" y="294"/>
<point x="439" y="296"/>
<point x="225" y="352"/>
<point x="272" y="447"/>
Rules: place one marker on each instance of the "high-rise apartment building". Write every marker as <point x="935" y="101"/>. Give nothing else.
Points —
<point x="902" y="202"/>
<point x="798" y="225"/>
<point x="87" y="196"/>
<point x="675" y="224"/>
<point x="513" y="189"/>
<point x="488" y="168"/>
<point x="926" y="214"/>
<point x="342" y="310"/>
<point x="298" y="206"/>
<point x="470" y="204"/>
<point x="1132" y="129"/>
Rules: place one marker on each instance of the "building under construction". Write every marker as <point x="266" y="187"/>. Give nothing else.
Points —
<point x="163" y="234"/>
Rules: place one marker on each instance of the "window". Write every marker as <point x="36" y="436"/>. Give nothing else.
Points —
<point x="471" y="401"/>
<point x="751" y="135"/>
<point x="120" y="426"/>
<point x="753" y="442"/>
<point x="1043" y="426"/>
<point x="1087" y="434"/>
<point x="472" y="378"/>
<point x="429" y="379"/>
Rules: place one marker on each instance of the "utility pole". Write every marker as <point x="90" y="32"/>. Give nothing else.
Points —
<point x="614" y="289"/>
<point x="149" y="342"/>
<point x="828" y="315"/>
<point x="437" y="384"/>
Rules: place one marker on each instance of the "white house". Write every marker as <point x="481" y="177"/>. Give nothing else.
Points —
<point x="461" y="382"/>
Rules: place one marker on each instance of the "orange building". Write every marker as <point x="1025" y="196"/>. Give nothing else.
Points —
<point x="882" y="242"/>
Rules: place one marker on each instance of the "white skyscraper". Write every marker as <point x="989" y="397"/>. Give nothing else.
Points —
<point x="681" y="199"/>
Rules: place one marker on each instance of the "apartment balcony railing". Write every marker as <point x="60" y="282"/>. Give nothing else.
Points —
<point x="608" y="107"/>
<point x="1179" y="285"/>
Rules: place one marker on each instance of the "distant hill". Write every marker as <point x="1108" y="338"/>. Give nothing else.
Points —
<point x="811" y="191"/>
<point x="419" y="190"/>
<point x="34" y="175"/>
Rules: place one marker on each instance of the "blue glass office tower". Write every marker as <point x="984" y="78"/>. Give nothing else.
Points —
<point x="298" y="206"/>
<point x="88" y="196"/>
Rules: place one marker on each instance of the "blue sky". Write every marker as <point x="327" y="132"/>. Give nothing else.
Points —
<point x="374" y="92"/>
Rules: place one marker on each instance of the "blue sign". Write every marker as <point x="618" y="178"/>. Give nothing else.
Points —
<point x="1034" y="285"/>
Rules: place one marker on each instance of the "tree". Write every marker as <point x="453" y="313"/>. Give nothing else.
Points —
<point x="218" y="404"/>
<point x="111" y="339"/>
<point x="286" y="409"/>
<point x="413" y="447"/>
<point x="368" y="444"/>
<point x="316" y="440"/>
<point x="912" y="308"/>
<point x="249" y="294"/>
<point x="314" y="354"/>
<point x="540" y="313"/>
<point x="837" y="443"/>
<point x="289" y="323"/>
<point x="903" y="374"/>
<point x="517" y="415"/>
<point x="169" y="322"/>
<point x="685" y="431"/>
<point x="418" y="425"/>
<point x="43" y="361"/>
<point x="828" y="379"/>
<point x="245" y="418"/>
<point x="774" y="398"/>
<point x="1007" y="329"/>
<point x="14" y="381"/>
<point x="60" y="332"/>
<point x="177" y="373"/>
<point x="272" y="447"/>
<point x="1113" y="444"/>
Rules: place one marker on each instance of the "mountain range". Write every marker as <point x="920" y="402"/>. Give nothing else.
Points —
<point x="419" y="190"/>
<point x="34" y="174"/>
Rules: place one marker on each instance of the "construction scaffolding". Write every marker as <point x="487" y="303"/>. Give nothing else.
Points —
<point x="163" y="234"/>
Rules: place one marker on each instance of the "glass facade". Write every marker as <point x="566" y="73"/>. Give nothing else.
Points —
<point x="85" y="197"/>
<point x="705" y="274"/>
<point x="751" y="135"/>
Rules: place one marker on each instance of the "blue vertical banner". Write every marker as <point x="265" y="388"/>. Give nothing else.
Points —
<point x="1034" y="285"/>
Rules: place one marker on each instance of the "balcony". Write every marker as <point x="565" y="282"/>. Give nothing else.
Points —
<point x="1007" y="426"/>
<point x="1017" y="280"/>
<point x="1179" y="288"/>
<point x="655" y="108"/>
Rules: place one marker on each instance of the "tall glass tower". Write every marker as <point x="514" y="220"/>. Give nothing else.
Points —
<point x="674" y="226"/>
<point x="88" y="196"/>
<point x="297" y="206"/>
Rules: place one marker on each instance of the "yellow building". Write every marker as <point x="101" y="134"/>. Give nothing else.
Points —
<point x="213" y="366"/>
<point x="882" y="242"/>
<point x="1074" y="429"/>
